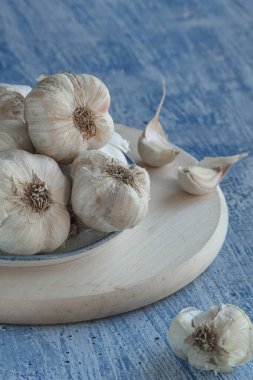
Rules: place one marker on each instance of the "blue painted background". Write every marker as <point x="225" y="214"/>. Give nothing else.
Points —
<point x="204" y="51"/>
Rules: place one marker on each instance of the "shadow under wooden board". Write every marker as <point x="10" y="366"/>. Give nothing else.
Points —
<point x="179" y="238"/>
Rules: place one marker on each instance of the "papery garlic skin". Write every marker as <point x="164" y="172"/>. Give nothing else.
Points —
<point x="33" y="198"/>
<point x="13" y="128"/>
<point x="153" y="145"/>
<point x="108" y="195"/>
<point x="11" y="105"/>
<point x="204" y="177"/>
<point x="13" y="135"/>
<point x="19" y="88"/>
<point x="116" y="147"/>
<point x="68" y="114"/>
<point x="218" y="339"/>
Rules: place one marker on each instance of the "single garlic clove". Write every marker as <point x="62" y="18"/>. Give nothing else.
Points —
<point x="197" y="180"/>
<point x="116" y="146"/>
<point x="217" y="339"/>
<point x="153" y="145"/>
<point x="204" y="177"/>
<point x="107" y="194"/>
<point x="68" y="114"/>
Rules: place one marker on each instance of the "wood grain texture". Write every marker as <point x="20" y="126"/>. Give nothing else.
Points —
<point x="203" y="49"/>
<point x="178" y="239"/>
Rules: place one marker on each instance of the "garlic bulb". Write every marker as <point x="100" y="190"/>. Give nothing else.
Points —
<point x="33" y="198"/>
<point x="217" y="339"/>
<point x="153" y="145"/>
<point x="202" y="178"/>
<point x="13" y="129"/>
<point x="108" y="195"/>
<point x="68" y="114"/>
<point x="116" y="146"/>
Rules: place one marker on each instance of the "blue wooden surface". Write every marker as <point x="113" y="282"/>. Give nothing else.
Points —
<point x="204" y="51"/>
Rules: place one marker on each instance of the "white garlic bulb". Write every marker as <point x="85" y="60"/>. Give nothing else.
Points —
<point x="202" y="178"/>
<point x="13" y="128"/>
<point x="217" y="339"/>
<point x="153" y="145"/>
<point x="68" y="114"/>
<point x="116" y="147"/>
<point x="108" y="195"/>
<point x="33" y="198"/>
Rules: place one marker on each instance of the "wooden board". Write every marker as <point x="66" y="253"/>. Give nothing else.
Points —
<point x="176" y="242"/>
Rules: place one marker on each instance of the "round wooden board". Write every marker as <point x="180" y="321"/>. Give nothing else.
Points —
<point x="175" y="243"/>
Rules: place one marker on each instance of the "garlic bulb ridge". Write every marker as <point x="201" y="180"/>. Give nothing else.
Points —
<point x="153" y="145"/>
<point x="107" y="194"/>
<point x="68" y="114"/>
<point x="33" y="198"/>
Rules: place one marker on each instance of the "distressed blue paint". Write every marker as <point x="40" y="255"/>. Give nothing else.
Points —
<point x="204" y="51"/>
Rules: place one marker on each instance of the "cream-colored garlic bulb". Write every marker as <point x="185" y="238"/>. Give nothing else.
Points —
<point x="68" y="114"/>
<point x="153" y="145"/>
<point x="13" y="128"/>
<point x="108" y="195"/>
<point x="33" y="198"/>
<point x="204" y="177"/>
<point x="218" y="339"/>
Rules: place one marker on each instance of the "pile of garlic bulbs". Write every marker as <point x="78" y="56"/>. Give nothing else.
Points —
<point x="59" y="154"/>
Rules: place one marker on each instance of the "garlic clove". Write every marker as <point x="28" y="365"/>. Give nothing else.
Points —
<point x="19" y="88"/>
<point x="217" y="339"/>
<point x="116" y="146"/>
<point x="197" y="180"/>
<point x="153" y="145"/>
<point x="204" y="177"/>
<point x="68" y="114"/>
